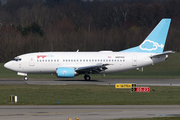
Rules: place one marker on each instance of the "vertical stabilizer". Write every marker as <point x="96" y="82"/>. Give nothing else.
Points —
<point x="155" y="41"/>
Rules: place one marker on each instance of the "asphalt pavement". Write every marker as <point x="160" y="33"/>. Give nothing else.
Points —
<point x="86" y="112"/>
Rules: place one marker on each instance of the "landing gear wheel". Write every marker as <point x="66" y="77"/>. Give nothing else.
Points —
<point x="87" y="77"/>
<point x="26" y="78"/>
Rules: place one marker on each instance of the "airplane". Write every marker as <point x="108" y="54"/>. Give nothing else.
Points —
<point x="71" y="64"/>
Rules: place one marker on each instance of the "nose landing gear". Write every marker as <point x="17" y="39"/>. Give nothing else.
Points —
<point x="23" y="74"/>
<point x="26" y="78"/>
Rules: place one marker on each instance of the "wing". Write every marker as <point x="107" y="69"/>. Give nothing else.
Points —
<point x="94" y="69"/>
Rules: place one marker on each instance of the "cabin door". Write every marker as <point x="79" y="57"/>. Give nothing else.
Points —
<point x="134" y="60"/>
<point x="31" y="60"/>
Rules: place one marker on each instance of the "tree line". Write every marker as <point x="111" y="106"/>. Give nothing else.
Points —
<point x="67" y="25"/>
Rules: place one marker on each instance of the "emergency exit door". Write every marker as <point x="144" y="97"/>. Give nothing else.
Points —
<point x="134" y="60"/>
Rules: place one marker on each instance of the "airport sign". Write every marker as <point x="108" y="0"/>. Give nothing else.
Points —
<point x="125" y="85"/>
<point x="140" y="89"/>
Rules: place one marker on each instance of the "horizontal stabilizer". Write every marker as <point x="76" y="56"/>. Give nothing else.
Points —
<point x="164" y="53"/>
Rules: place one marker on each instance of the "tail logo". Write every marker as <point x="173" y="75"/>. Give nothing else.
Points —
<point x="150" y="45"/>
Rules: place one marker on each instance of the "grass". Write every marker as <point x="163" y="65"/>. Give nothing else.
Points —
<point x="87" y="95"/>
<point x="169" y="69"/>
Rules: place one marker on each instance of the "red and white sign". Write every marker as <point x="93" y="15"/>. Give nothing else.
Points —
<point x="142" y="89"/>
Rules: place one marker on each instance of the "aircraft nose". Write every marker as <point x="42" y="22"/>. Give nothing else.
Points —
<point x="11" y="65"/>
<point x="7" y="65"/>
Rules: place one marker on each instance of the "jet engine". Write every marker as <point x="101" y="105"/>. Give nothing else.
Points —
<point x="64" y="72"/>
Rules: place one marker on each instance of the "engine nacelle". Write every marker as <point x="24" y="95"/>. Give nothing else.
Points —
<point x="64" y="72"/>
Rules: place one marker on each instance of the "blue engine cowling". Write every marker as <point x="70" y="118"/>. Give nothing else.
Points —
<point x="64" y="72"/>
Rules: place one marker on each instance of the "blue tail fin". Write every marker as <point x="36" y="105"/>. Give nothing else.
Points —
<point x="155" y="41"/>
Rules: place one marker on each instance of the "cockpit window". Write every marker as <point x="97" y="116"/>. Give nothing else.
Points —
<point x="17" y="59"/>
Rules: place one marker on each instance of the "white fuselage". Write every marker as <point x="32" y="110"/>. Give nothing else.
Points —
<point x="47" y="62"/>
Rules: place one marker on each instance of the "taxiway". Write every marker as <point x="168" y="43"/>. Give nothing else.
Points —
<point x="148" y="82"/>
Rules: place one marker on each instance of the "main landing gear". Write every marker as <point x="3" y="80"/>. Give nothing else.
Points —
<point x="87" y="77"/>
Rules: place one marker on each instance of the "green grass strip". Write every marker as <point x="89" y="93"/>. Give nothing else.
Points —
<point x="87" y="95"/>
